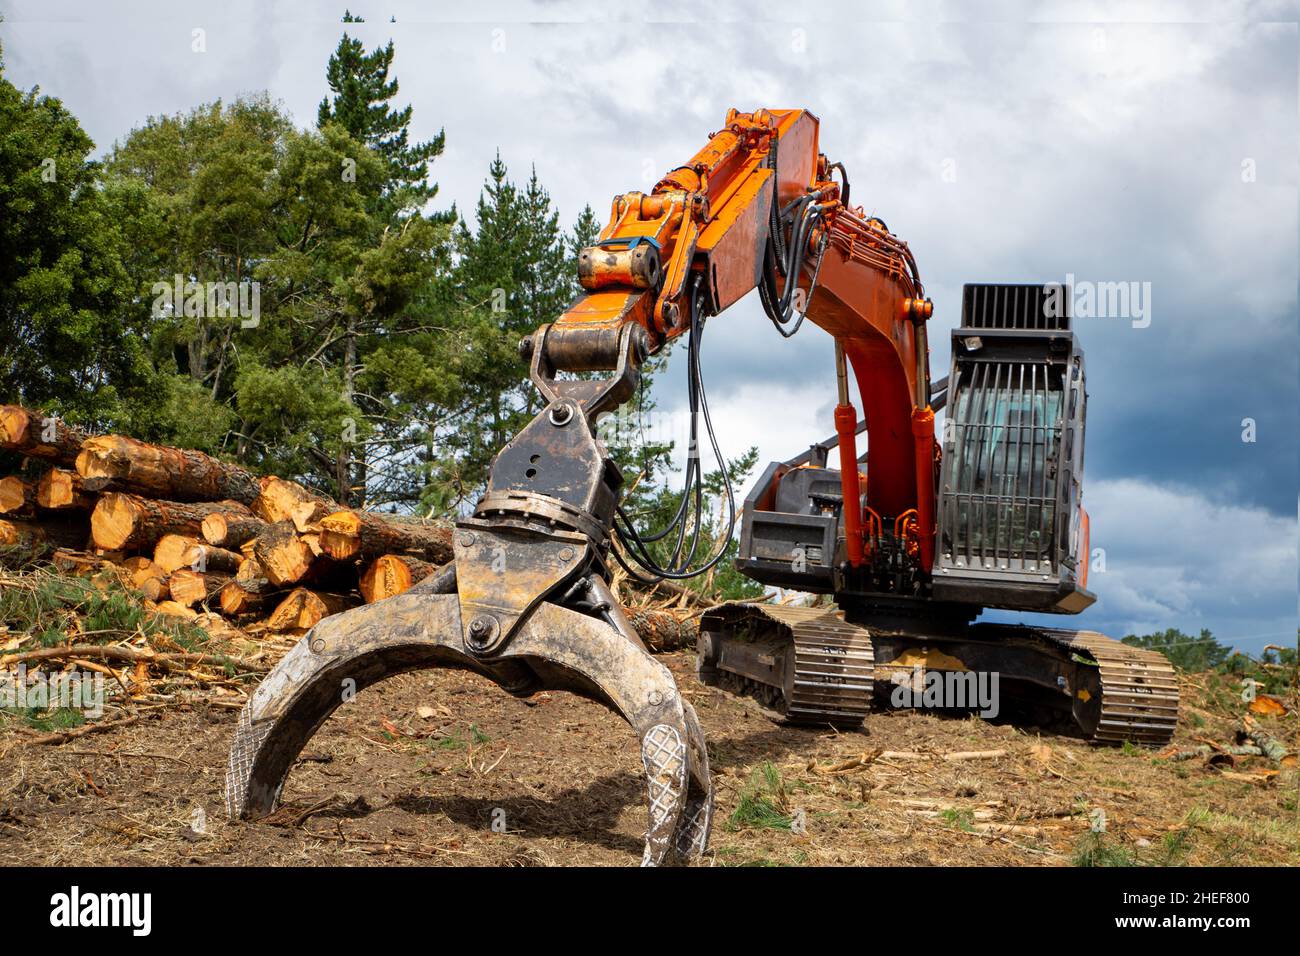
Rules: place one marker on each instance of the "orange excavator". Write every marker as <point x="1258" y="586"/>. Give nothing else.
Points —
<point x="910" y="540"/>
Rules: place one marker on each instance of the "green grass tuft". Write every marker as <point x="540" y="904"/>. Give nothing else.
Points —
<point x="763" y="804"/>
<point x="1094" y="849"/>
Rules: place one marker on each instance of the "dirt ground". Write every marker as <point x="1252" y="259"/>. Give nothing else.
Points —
<point x="415" y="770"/>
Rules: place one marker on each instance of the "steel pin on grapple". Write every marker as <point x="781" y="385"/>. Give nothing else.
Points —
<point x="525" y="603"/>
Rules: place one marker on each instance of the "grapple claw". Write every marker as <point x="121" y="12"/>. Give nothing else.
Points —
<point x="554" y="649"/>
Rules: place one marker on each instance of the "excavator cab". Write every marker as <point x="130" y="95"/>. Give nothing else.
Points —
<point x="1011" y="527"/>
<point x="1012" y="532"/>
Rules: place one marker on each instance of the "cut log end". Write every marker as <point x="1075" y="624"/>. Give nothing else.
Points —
<point x="172" y="552"/>
<point x="284" y="557"/>
<point x="190" y="587"/>
<point x="114" y="520"/>
<point x="302" y="610"/>
<point x="60" y="488"/>
<point x="390" y="575"/>
<point x="15" y="495"/>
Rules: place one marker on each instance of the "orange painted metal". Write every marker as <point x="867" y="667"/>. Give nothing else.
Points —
<point x="710" y="218"/>
<point x="923" y="432"/>
<point x="846" y="426"/>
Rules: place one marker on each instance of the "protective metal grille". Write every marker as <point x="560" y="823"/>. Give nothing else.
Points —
<point x="999" y="504"/>
<point x="1015" y="307"/>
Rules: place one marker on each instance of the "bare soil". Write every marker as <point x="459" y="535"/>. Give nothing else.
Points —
<point x="416" y="770"/>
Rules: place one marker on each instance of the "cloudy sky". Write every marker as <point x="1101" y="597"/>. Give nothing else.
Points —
<point x="1148" y="143"/>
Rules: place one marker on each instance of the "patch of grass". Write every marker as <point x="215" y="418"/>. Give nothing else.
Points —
<point x="959" y="818"/>
<point x="1261" y="830"/>
<point x="1174" y="848"/>
<point x="763" y="804"/>
<point x="54" y="608"/>
<point x="60" y="718"/>
<point x="477" y="735"/>
<point x="731" y="856"/>
<point x="1093" y="849"/>
<point x="1131" y="749"/>
<point x="448" y="742"/>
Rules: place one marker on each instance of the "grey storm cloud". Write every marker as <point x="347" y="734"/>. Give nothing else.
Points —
<point x="1113" y="142"/>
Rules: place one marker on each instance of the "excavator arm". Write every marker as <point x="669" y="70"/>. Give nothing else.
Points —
<point x="758" y="207"/>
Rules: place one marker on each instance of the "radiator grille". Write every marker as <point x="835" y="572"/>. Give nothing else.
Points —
<point x="999" y="306"/>
<point x="999" y="503"/>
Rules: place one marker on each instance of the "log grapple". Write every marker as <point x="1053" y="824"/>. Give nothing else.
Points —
<point x="525" y="603"/>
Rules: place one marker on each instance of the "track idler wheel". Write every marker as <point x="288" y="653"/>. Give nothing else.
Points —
<point x="554" y="649"/>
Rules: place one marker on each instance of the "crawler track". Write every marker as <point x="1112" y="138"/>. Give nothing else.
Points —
<point x="1139" y="690"/>
<point x="808" y="665"/>
<point x="819" y="669"/>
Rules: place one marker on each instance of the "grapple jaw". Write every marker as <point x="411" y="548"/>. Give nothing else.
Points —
<point x="531" y="608"/>
<point x="554" y="648"/>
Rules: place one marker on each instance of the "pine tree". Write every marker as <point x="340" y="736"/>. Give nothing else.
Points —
<point x="362" y="90"/>
<point x="547" y="279"/>
<point x="586" y="230"/>
<point x="512" y="275"/>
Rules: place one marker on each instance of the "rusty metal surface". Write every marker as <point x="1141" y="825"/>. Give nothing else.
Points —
<point x="502" y="574"/>
<point x="554" y="649"/>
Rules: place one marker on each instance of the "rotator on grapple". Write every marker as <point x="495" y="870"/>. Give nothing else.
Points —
<point x="911" y="555"/>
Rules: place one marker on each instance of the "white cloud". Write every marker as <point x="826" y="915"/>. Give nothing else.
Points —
<point x="1176" y="559"/>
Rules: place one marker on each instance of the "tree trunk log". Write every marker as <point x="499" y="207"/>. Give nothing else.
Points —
<point x="284" y="557"/>
<point x="173" y="473"/>
<point x="29" y="536"/>
<point x="16" y="496"/>
<point x="251" y="577"/>
<point x="208" y="559"/>
<point x="30" y="433"/>
<point x="170" y="551"/>
<point x="282" y="500"/>
<point x="128" y="522"/>
<point x="231" y="530"/>
<point x="140" y="569"/>
<point x="75" y="562"/>
<point x="391" y="574"/>
<point x="20" y="534"/>
<point x="364" y="536"/>
<point x="663" y="630"/>
<point x="302" y="610"/>
<point x="189" y="587"/>
<point x="237" y="600"/>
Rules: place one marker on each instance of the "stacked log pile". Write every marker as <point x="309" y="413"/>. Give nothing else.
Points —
<point x="197" y="535"/>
